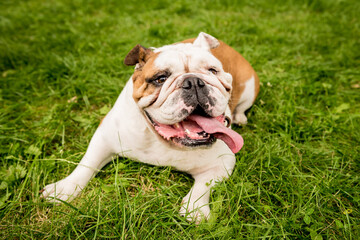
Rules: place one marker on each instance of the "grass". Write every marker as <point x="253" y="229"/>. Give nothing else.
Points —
<point x="297" y="176"/>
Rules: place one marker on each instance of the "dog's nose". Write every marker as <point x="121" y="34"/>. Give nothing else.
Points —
<point x="200" y="83"/>
<point x="187" y="84"/>
<point x="191" y="82"/>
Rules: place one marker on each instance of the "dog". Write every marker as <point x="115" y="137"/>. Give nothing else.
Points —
<point x="176" y="110"/>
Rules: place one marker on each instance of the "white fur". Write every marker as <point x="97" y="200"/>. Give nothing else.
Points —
<point x="206" y="41"/>
<point x="168" y="107"/>
<point x="246" y="100"/>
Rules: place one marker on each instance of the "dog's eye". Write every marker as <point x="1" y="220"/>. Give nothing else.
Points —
<point x="160" y="80"/>
<point x="213" y="71"/>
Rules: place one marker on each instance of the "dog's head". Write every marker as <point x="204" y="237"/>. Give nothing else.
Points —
<point x="184" y="92"/>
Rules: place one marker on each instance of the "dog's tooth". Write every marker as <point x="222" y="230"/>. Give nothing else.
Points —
<point x="177" y="125"/>
<point x="203" y="134"/>
<point x="187" y="131"/>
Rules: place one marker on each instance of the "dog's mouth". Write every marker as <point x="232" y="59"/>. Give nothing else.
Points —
<point x="199" y="129"/>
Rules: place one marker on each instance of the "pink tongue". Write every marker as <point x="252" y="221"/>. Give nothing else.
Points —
<point x="213" y="126"/>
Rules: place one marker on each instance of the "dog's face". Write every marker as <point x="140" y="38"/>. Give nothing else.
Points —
<point x="182" y="90"/>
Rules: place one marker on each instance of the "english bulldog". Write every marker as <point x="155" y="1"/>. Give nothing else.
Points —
<point x="176" y="110"/>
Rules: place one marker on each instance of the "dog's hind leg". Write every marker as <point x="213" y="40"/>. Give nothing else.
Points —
<point x="246" y="101"/>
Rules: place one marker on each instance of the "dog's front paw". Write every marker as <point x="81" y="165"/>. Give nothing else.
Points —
<point x="194" y="211"/>
<point x="63" y="190"/>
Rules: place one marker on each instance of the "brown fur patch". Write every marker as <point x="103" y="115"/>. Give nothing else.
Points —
<point x="186" y="65"/>
<point x="141" y="87"/>
<point x="237" y="66"/>
<point x="138" y="54"/>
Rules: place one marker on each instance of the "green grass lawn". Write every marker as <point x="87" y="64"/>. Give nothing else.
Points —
<point x="297" y="177"/>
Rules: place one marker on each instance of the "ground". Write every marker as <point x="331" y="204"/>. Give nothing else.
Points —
<point x="297" y="176"/>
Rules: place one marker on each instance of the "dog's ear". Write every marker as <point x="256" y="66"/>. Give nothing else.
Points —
<point x="138" y="54"/>
<point x="206" y="41"/>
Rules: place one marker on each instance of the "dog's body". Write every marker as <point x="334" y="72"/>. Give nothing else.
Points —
<point x="170" y="113"/>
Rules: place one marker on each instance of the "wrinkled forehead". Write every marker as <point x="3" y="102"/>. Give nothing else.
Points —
<point x="177" y="56"/>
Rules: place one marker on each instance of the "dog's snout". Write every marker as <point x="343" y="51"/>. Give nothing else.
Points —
<point x="191" y="82"/>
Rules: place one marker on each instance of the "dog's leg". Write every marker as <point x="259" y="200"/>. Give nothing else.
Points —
<point x="98" y="154"/>
<point x="245" y="102"/>
<point x="195" y="205"/>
